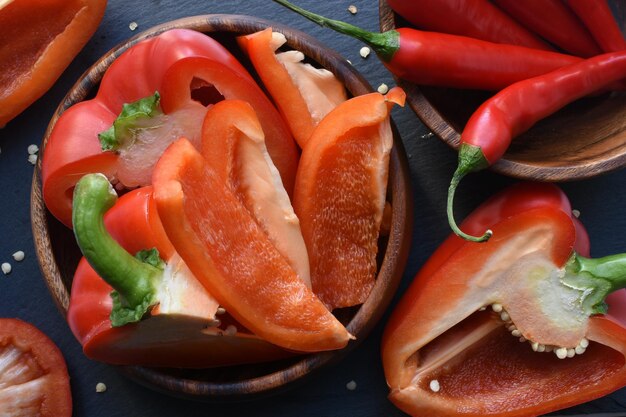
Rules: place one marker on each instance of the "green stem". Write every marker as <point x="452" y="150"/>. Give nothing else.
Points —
<point x="597" y="278"/>
<point x="471" y="159"/>
<point x="384" y="44"/>
<point x="134" y="280"/>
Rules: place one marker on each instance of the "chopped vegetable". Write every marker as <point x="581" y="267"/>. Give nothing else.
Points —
<point x="232" y="256"/>
<point x="542" y="291"/>
<point x="303" y="94"/>
<point x="34" y="378"/>
<point x="340" y="196"/>
<point x="39" y="40"/>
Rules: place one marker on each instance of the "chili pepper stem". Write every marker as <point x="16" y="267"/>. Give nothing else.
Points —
<point x="385" y="44"/>
<point x="471" y="159"/>
<point x="134" y="280"/>
<point x="597" y="278"/>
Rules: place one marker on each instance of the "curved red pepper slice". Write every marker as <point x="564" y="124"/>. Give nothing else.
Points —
<point x="176" y="94"/>
<point x="73" y="149"/>
<point x="445" y="356"/>
<point x="135" y="224"/>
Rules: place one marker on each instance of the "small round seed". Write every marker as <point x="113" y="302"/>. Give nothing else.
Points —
<point x="434" y="385"/>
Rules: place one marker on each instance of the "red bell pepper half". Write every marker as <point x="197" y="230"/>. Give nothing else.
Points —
<point x="178" y="328"/>
<point x="516" y="326"/>
<point x="73" y="149"/>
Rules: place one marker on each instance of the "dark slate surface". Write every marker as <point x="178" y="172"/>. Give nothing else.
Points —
<point x="23" y="293"/>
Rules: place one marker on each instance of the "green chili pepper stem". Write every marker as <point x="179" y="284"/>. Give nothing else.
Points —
<point x="471" y="159"/>
<point x="597" y="278"/>
<point x="384" y="44"/>
<point x="132" y="279"/>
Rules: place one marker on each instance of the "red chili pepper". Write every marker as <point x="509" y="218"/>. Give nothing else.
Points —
<point x="183" y="335"/>
<point x="517" y="108"/>
<point x="430" y="58"/>
<point x="73" y="148"/>
<point x="598" y="18"/>
<point x="477" y="19"/>
<point x="555" y="22"/>
<point x="451" y="346"/>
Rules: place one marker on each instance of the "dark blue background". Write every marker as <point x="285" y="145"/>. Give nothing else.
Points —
<point x="23" y="293"/>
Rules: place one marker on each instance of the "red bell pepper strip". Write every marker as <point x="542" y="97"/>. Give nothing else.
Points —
<point x="553" y="20"/>
<point x="598" y="18"/>
<point x="231" y="255"/>
<point x="73" y="149"/>
<point x="477" y="19"/>
<point x="446" y="354"/>
<point x="233" y="144"/>
<point x="302" y="93"/>
<point x="517" y="108"/>
<point x="431" y="58"/>
<point x="340" y="196"/>
<point x="231" y="85"/>
<point x="39" y="40"/>
<point x="168" y="336"/>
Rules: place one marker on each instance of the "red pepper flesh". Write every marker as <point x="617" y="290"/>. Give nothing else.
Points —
<point x="438" y="331"/>
<point x="176" y="94"/>
<point x="158" y="341"/>
<point x="73" y="148"/>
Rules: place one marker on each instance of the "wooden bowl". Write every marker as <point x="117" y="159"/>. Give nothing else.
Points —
<point x="584" y="139"/>
<point x="58" y="253"/>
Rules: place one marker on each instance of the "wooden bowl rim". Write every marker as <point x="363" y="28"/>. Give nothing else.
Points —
<point x="388" y="277"/>
<point x="437" y="124"/>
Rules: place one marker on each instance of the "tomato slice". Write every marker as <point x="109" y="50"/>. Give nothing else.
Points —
<point x="33" y="374"/>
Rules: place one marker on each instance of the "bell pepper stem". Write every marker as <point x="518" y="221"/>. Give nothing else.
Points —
<point x="597" y="278"/>
<point x="133" y="280"/>
<point x="384" y="44"/>
<point x="471" y="159"/>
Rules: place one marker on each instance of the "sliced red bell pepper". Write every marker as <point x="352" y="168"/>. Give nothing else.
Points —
<point x="35" y="381"/>
<point x="232" y="256"/>
<point x="180" y="331"/>
<point x="73" y="149"/>
<point x="340" y="196"/>
<point x="231" y="85"/>
<point x="303" y="94"/>
<point x="233" y="144"/>
<point x="39" y="40"/>
<point x="451" y="346"/>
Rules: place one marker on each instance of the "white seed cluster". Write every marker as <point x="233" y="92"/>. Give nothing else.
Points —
<point x="559" y="351"/>
<point x="383" y="88"/>
<point x="365" y="51"/>
<point x="101" y="387"/>
<point x="352" y="9"/>
<point x="351" y="386"/>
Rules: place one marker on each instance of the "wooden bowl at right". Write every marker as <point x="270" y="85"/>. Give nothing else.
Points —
<point x="584" y="139"/>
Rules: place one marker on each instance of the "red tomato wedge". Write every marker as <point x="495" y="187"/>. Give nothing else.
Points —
<point x="33" y="374"/>
<point x="176" y="93"/>
<point x="234" y="259"/>
<point x="340" y="196"/>
<point x="233" y="143"/>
